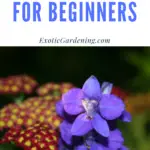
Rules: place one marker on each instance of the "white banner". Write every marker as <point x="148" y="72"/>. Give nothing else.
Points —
<point x="75" y="23"/>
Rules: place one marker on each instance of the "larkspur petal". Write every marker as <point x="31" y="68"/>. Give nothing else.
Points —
<point x="81" y="147"/>
<point x="72" y="101"/>
<point x="111" y="107"/>
<point x="60" y="108"/>
<point x="126" y="117"/>
<point x="96" y="146"/>
<point x="100" y="125"/>
<point x="91" y="88"/>
<point x="81" y="126"/>
<point x="65" y="130"/>
<point x="115" y="140"/>
<point x="123" y="148"/>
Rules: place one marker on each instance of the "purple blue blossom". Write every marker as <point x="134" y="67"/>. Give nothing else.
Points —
<point x="67" y="137"/>
<point x="96" y="142"/>
<point x="93" y="105"/>
<point x="92" y="140"/>
<point x="126" y="116"/>
<point x="60" y="108"/>
<point x="90" y="116"/>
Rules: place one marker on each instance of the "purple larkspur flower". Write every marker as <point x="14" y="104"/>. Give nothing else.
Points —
<point x="93" y="105"/>
<point x="61" y="112"/>
<point x="65" y="131"/>
<point x="62" y="145"/>
<point x="60" y="108"/>
<point x="113" y="142"/>
<point x="68" y="138"/>
<point x="81" y="147"/>
<point x="126" y="116"/>
<point x="92" y="140"/>
<point x="123" y="148"/>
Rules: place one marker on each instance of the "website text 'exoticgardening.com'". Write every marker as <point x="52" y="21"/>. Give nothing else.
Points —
<point x="75" y="40"/>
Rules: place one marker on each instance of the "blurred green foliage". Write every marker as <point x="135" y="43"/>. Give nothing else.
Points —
<point x="9" y="147"/>
<point x="140" y="83"/>
<point x="141" y="60"/>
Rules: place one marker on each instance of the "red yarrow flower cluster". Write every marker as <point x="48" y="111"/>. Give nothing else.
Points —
<point x="17" y="84"/>
<point x="54" y="88"/>
<point x="31" y="111"/>
<point x="37" y="137"/>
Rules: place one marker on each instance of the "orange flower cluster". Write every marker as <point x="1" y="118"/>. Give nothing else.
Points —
<point x="31" y="111"/>
<point x="54" y="89"/>
<point x="17" y="84"/>
<point x="37" y="137"/>
<point x="138" y="103"/>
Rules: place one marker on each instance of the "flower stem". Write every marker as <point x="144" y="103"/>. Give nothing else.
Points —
<point x="19" y="99"/>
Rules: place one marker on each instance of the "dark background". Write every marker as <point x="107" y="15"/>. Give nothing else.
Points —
<point x="69" y="64"/>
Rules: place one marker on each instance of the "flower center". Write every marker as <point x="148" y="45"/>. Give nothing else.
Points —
<point x="90" y="107"/>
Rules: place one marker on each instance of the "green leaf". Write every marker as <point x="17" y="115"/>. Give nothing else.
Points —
<point x="9" y="147"/>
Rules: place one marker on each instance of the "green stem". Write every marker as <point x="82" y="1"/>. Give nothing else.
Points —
<point x="137" y="128"/>
<point x="19" y="99"/>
